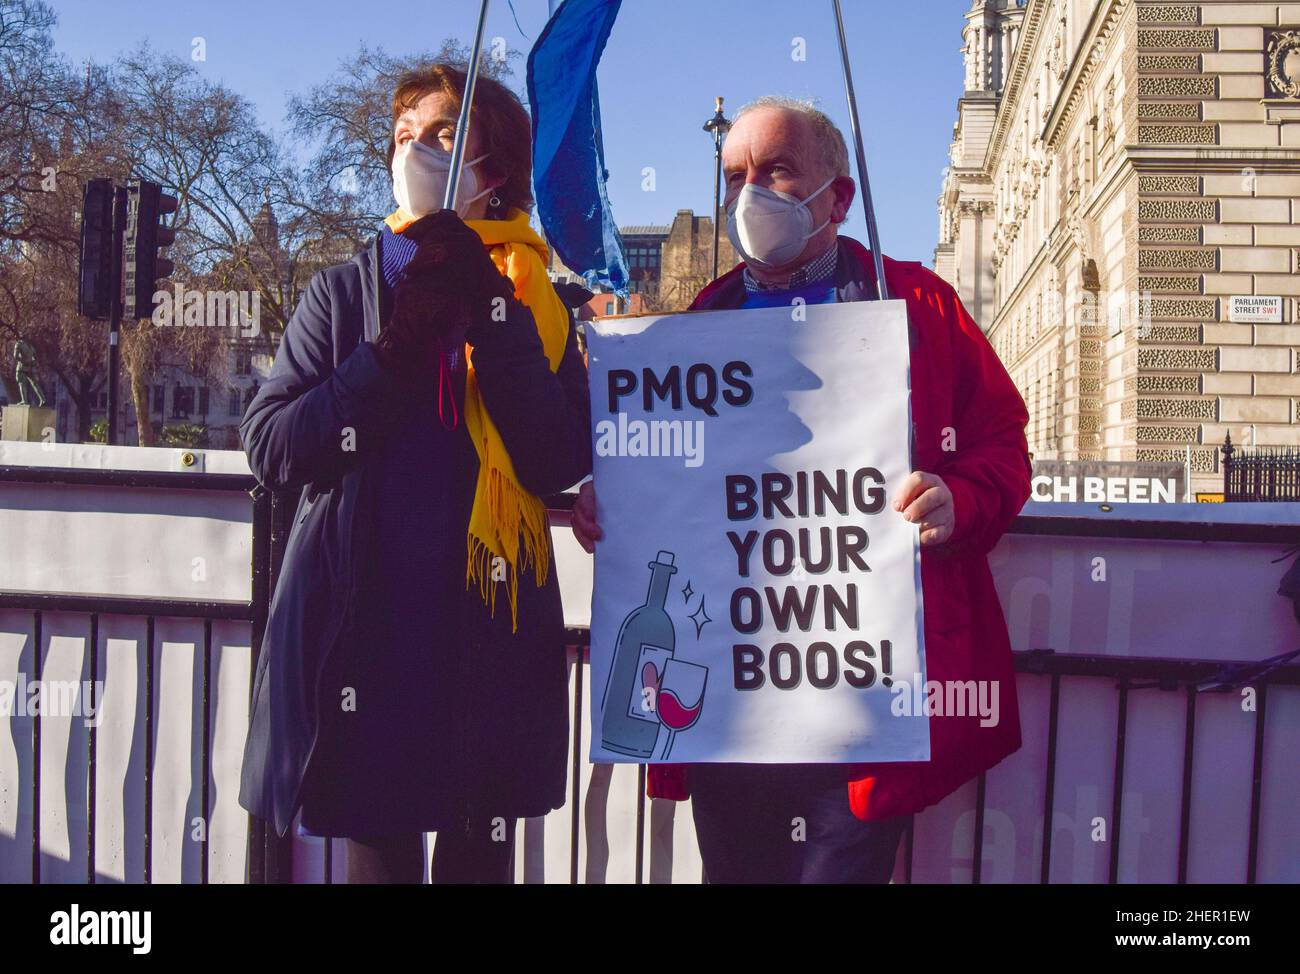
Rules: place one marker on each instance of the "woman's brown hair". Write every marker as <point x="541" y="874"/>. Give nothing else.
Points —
<point x="499" y="119"/>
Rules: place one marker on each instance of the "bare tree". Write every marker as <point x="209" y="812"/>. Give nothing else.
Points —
<point x="153" y="116"/>
<point x="50" y="120"/>
<point x="35" y="103"/>
<point x="204" y="144"/>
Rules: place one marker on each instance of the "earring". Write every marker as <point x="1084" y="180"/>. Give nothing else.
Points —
<point x="494" y="201"/>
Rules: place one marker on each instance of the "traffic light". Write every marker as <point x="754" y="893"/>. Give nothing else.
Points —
<point x="146" y="204"/>
<point x="95" y="292"/>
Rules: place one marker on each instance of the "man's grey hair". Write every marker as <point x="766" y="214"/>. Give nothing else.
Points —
<point x="830" y="141"/>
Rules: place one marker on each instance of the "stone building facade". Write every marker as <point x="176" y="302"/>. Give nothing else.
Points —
<point x="687" y="259"/>
<point x="1125" y="176"/>
<point x="668" y="264"/>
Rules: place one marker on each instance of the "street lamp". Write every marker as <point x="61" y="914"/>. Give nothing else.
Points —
<point x="718" y="126"/>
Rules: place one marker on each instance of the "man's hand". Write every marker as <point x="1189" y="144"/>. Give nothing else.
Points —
<point x="585" y="528"/>
<point x="925" y="499"/>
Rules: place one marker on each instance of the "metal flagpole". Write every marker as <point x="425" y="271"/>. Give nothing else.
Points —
<point x="466" y="103"/>
<point x="873" y="237"/>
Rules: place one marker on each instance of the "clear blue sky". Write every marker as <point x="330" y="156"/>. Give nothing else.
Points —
<point x="665" y="62"/>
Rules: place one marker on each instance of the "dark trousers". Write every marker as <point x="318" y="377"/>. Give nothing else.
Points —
<point x="787" y="824"/>
<point x="459" y="856"/>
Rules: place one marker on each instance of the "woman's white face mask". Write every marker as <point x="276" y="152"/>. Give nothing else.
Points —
<point x="420" y="177"/>
<point x="769" y="227"/>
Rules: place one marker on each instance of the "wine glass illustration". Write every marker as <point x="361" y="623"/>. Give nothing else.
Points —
<point x="681" y="697"/>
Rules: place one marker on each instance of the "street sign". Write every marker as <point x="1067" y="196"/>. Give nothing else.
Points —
<point x="1254" y="309"/>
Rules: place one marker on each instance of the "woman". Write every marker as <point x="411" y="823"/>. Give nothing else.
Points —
<point x="425" y="396"/>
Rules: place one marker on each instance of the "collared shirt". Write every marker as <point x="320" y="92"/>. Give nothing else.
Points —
<point x="816" y="270"/>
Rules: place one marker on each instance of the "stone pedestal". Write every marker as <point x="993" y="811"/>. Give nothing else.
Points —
<point x="27" y="423"/>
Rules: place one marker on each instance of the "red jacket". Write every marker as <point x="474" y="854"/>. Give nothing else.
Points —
<point x="962" y="394"/>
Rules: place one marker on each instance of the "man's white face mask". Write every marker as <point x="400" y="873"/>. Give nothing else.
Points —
<point x="420" y="177"/>
<point x="770" y="227"/>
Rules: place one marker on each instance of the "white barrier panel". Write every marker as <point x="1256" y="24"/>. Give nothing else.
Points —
<point x="124" y="541"/>
<point x="1145" y="598"/>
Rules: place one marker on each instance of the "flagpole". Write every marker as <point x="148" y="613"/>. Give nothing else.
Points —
<point x="873" y="237"/>
<point x="466" y="103"/>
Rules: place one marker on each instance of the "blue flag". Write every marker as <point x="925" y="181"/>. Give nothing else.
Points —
<point x="568" y="156"/>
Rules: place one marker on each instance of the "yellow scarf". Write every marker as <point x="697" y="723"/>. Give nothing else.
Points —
<point x="503" y="510"/>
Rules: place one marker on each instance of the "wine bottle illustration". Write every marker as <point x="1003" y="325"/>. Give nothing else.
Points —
<point x="630" y="723"/>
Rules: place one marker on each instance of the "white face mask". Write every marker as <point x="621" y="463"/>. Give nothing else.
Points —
<point x="769" y="227"/>
<point x="420" y="177"/>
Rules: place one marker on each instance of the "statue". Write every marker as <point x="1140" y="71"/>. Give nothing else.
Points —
<point x="24" y="372"/>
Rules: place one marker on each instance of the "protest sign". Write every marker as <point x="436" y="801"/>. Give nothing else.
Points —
<point x="756" y="597"/>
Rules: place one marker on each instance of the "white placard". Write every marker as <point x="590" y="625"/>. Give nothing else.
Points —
<point x="756" y="597"/>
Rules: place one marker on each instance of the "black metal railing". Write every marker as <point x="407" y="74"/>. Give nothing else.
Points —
<point x="1260" y="474"/>
<point x="270" y="857"/>
<point x="1132" y="674"/>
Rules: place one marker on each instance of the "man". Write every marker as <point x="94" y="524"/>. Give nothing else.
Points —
<point x="788" y="189"/>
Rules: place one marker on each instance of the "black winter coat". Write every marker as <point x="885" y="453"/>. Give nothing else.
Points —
<point x="450" y="714"/>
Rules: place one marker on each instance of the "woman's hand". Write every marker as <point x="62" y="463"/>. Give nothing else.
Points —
<point x="450" y="255"/>
<point x="448" y="283"/>
<point x="411" y="342"/>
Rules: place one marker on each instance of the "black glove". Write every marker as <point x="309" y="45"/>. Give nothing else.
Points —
<point x="411" y="341"/>
<point x="448" y="284"/>
<point x="451" y="254"/>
